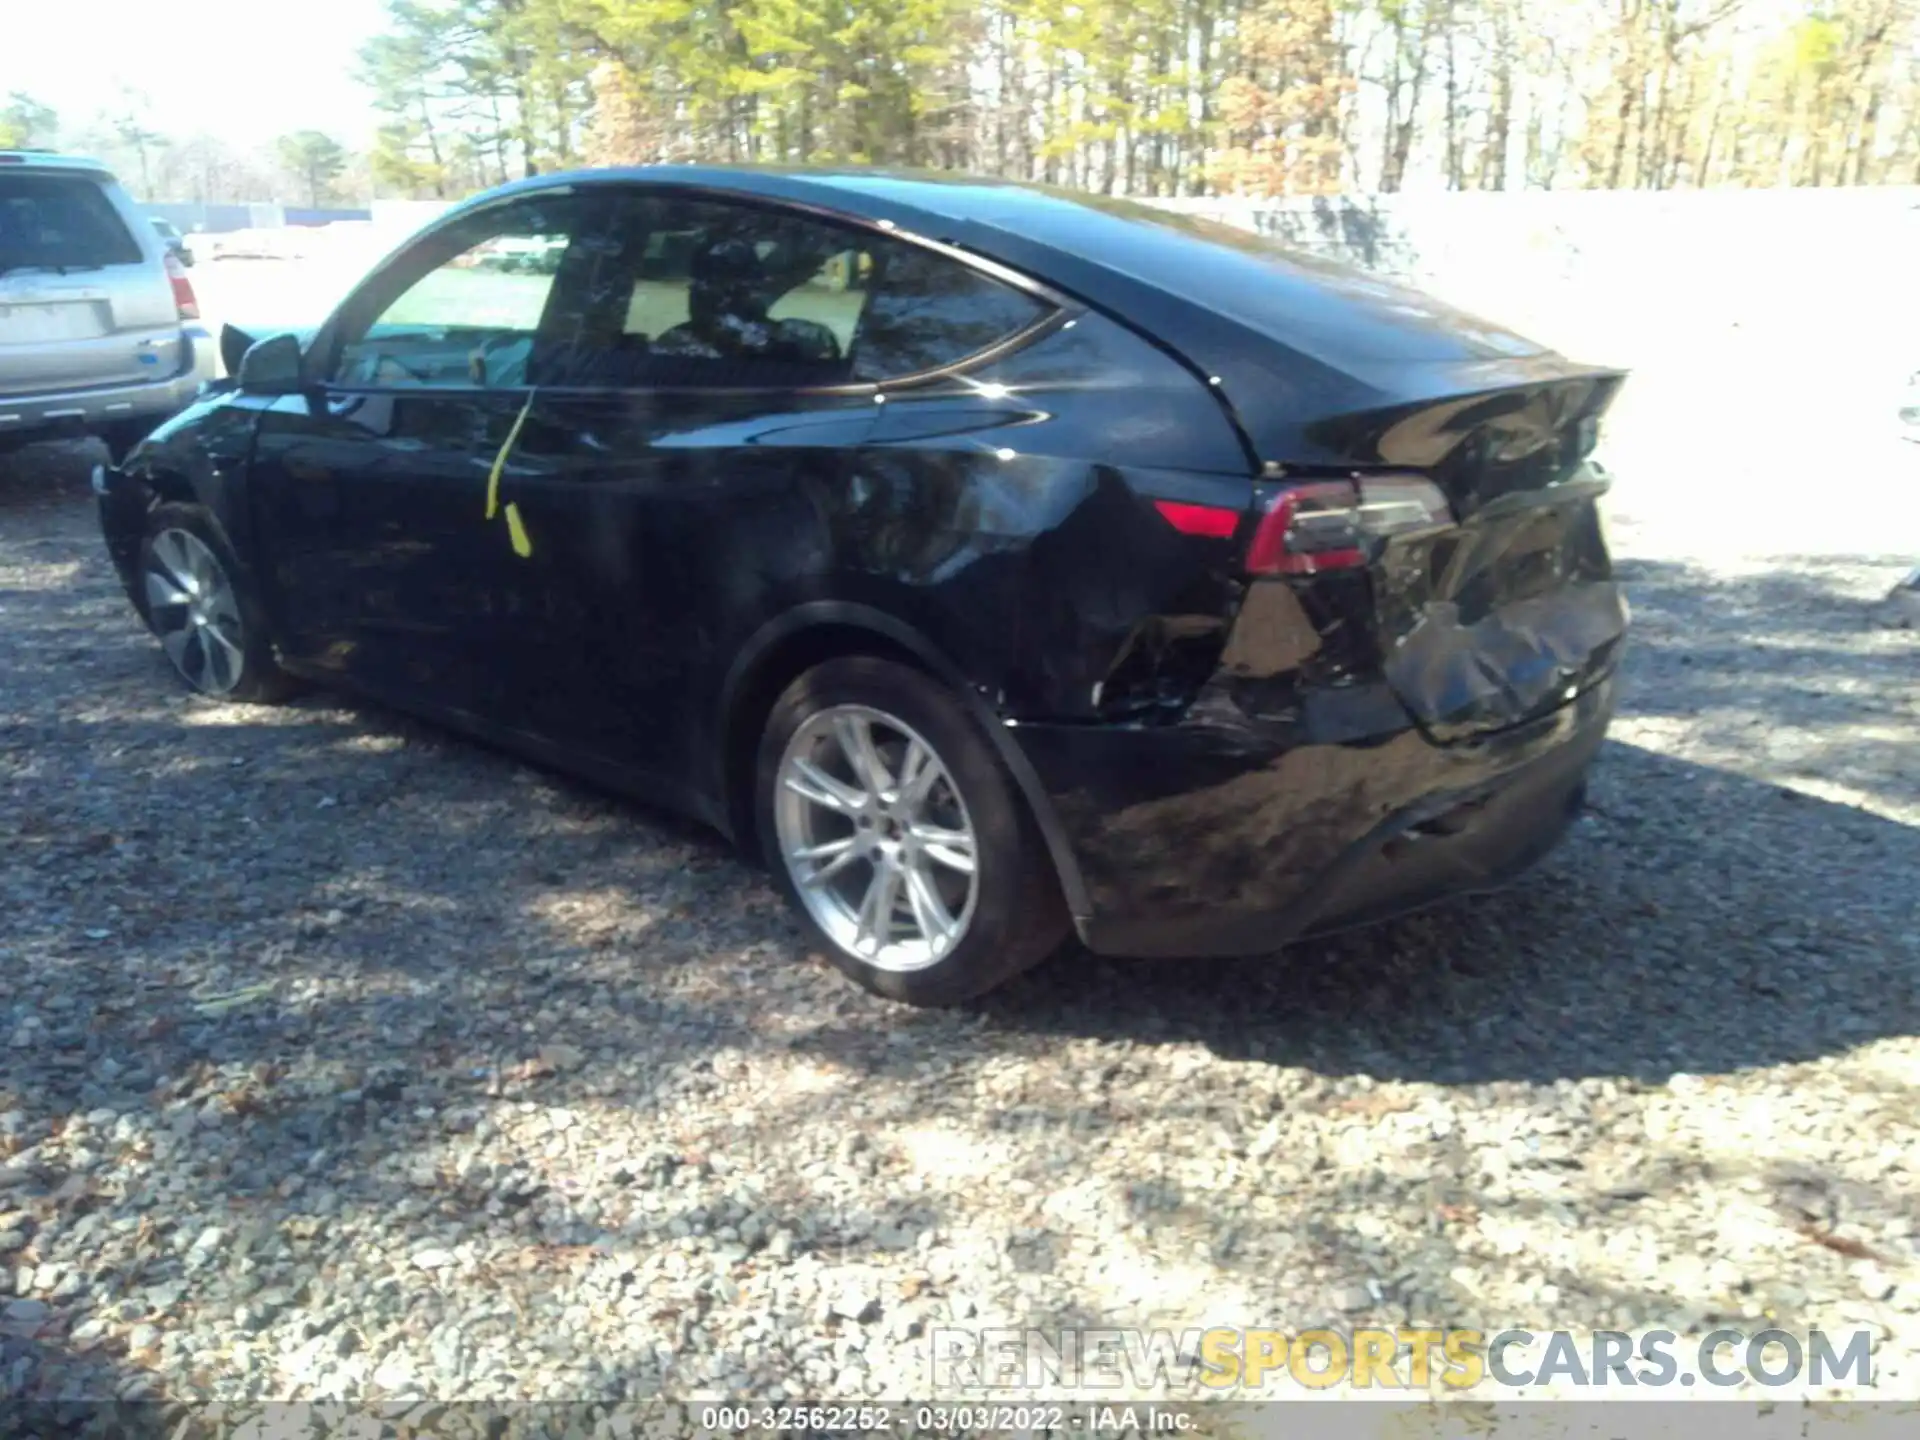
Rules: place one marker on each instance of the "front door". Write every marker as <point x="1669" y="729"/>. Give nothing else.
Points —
<point x="388" y="557"/>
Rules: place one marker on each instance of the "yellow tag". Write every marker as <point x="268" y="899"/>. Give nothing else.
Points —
<point x="517" y="533"/>
<point x="500" y="460"/>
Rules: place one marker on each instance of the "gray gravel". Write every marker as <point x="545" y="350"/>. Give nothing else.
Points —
<point x="340" y="1058"/>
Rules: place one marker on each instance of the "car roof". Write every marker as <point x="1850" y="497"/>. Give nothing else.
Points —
<point x="1286" y="336"/>
<point x="52" y="160"/>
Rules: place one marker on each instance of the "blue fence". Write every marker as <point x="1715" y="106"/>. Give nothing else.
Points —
<point x="196" y="219"/>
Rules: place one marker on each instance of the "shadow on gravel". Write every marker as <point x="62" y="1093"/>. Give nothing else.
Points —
<point x="1800" y="666"/>
<point x="1625" y="955"/>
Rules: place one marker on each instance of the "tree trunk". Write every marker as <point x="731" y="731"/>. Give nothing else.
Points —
<point x="1455" y="160"/>
<point x="1493" y="163"/>
<point x="433" y="149"/>
<point x="1625" y="120"/>
<point x="1869" y="127"/>
<point x="1194" y="142"/>
<point x="1401" y="135"/>
<point x="1704" y="175"/>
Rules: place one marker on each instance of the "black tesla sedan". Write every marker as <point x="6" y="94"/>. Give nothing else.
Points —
<point x="995" y="561"/>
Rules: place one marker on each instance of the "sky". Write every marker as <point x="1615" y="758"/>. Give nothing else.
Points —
<point x="247" y="70"/>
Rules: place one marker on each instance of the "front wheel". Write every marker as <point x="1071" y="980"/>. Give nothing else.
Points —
<point x="899" y="837"/>
<point x="198" y="607"/>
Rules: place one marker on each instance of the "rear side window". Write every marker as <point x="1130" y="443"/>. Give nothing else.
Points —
<point x="927" y="311"/>
<point x="734" y="296"/>
<point x="711" y="294"/>
<point x="60" y="222"/>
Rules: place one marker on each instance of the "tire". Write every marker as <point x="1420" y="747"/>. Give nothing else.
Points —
<point x="1007" y="913"/>
<point x="195" y="598"/>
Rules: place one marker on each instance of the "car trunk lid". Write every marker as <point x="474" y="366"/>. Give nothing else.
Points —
<point x="1489" y="596"/>
<point x="1511" y="610"/>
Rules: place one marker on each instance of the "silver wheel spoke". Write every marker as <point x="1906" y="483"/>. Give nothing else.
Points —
<point x="811" y="783"/>
<point x="222" y="610"/>
<point x="856" y="743"/>
<point x="825" y="861"/>
<point x="929" y="910"/>
<point x="170" y="549"/>
<point x="951" y="848"/>
<point x="174" y="642"/>
<point x="200" y="660"/>
<point x="163" y="589"/>
<point x="918" y="773"/>
<point x="874" y="924"/>
<point x="223" y="657"/>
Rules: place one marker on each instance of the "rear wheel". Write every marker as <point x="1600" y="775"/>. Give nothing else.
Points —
<point x="197" y="605"/>
<point x="899" y="837"/>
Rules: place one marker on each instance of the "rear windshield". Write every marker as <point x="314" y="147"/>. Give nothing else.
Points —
<point x="60" y="222"/>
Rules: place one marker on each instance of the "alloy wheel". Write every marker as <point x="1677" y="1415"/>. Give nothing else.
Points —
<point x="193" y="610"/>
<point x="876" y="838"/>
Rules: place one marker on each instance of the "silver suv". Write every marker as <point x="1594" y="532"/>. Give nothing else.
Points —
<point x="99" y="328"/>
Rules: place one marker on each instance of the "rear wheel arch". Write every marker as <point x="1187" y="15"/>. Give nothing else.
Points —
<point x="811" y="634"/>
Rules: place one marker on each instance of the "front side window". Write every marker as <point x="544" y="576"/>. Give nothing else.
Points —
<point x="737" y="296"/>
<point x="466" y="310"/>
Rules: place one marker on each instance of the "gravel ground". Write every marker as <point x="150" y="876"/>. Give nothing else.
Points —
<point x="339" y="1058"/>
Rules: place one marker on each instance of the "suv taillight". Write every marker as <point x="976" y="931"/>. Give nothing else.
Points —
<point x="183" y="297"/>
<point x="1328" y="524"/>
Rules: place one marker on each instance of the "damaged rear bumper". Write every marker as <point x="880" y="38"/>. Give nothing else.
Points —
<point x="1227" y="835"/>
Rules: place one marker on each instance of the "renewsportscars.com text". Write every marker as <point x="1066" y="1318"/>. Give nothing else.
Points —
<point x="1265" y="1361"/>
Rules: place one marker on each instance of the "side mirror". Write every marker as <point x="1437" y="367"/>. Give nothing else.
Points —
<point x="234" y="344"/>
<point x="272" y="366"/>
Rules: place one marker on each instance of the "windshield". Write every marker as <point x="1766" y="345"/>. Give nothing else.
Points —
<point x="60" y="222"/>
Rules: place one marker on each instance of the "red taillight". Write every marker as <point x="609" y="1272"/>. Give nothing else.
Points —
<point x="1328" y="524"/>
<point x="183" y="297"/>
<point x="1208" y="520"/>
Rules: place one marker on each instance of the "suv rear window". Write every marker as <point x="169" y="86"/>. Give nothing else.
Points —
<point x="60" y="222"/>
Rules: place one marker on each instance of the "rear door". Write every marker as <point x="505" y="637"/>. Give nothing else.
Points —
<point x="673" y="476"/>
<point x="85" y="302"/>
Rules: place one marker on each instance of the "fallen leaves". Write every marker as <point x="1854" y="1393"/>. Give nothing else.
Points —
<point x="1839" y="1244"/>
